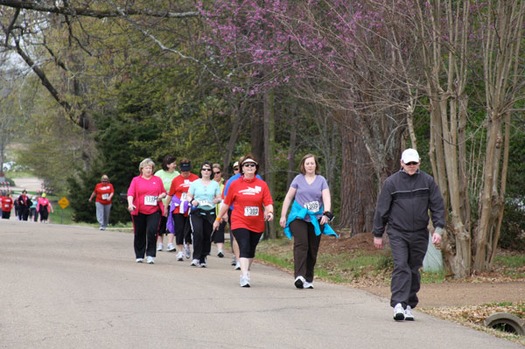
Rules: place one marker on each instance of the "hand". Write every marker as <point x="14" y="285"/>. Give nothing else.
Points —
<point x="282" y="222"/>
<point x="131" y="208"/>
<point x="216" y="225"/>
<point x="324" y="220"/>
<point x="378" y="242"/>
<point x="436" y="239"/>
<point x="269" y="216"/>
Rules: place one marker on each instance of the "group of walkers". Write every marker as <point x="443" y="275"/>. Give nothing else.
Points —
<point x="26" y="208"/>
<point x="194" y="211"/>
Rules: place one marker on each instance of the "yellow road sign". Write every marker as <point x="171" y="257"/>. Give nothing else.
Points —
<point x="63" y="202"/>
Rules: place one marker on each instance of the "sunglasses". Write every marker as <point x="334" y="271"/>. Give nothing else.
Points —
<point x="236" y="169"/>
<point x="217" y="172"/>
<point x="205" y="169"/>
<point x="412" y="163"/>
<point x="249" y="165"/>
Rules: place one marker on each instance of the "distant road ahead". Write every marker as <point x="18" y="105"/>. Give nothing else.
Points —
<point x="77" y="287"/>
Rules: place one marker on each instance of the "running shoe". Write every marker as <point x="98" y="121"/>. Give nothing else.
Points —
<point x="171" y="248"/>
<point x="187" y="251"/>
<point x="180" y="256"/>
<point x="308" y="285"/>
<point x="139" y="260"/>
<point x="408" y="314"/>
<point x="195" y="263"/>
<point x="202" y="263"/>
<point x="220" y="254"/>
<point x="399" y="312"/>
<point x="245" y="282"/>
<point x="234" y="261"/>
<point x="237" y="266"/>
<point x="160" y="247"/>
<point x="299" y="282"/>
<point x="150" y="260"/>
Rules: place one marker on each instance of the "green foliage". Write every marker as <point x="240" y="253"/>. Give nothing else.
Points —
<point x="513" y="226"/>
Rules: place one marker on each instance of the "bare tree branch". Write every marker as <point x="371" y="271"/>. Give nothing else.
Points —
<point x="65" y="9"/>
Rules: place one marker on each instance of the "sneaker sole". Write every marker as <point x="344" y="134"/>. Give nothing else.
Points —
<point x="298" y="284"/>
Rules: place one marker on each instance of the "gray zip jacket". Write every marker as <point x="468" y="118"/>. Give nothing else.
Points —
<point x="405" y="201"/>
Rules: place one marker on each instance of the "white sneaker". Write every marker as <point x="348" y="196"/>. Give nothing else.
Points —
<point x="150" y="260"/>
<point x="399" y="312"/>
<point x="299" y="282"/>
<point x="139" y="260"/>
<point x="160" y="247"/>
<point x="180" y="256"/>
<point x="309" y="285"/>
<point x="187" y="251"/>
<point x="220" y="254"/>
<point x="195" y="263"/>
<point x="408" y="314"/>
<point x="245" y="281"/>
<point x="237" y="266"/>
<point x="171" y="248"/>
<point x="234" y="261"/>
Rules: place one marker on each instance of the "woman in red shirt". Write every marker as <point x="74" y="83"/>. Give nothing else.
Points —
<point x="103" y="194"/>
<point x="253" y="205"/>
<point x="145" y="194"/>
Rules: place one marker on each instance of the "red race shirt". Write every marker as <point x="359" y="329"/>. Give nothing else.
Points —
<point x="103" y="190"/>
<point x="249" y="196"/>
<point x="181" y="185"/>
<point x="7" y="203"/>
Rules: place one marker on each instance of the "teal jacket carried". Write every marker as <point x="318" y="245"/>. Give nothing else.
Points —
<point x="299" y="212"/>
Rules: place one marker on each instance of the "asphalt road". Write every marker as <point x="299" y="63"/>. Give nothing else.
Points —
<point x="78" y="287"/>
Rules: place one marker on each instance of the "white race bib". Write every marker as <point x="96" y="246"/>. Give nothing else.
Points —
<point x="205" y="203"/>
<point x="183" y="196"/>
<point x="251" y="211"/>
<point x="105" y="196"/>
<point x="313" y="206"/>
<point x="150" y="200"/>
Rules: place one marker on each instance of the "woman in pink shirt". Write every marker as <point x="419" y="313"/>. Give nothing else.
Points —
<point x="145" y="194"/>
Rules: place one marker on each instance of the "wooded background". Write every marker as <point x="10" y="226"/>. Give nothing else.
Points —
<point x="92" y="87"/>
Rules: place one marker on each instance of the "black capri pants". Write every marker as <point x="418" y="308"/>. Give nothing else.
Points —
<point x="247" y="240"/>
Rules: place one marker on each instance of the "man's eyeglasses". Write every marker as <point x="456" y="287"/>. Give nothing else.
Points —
<point x="412" y="163"/>
<point x="206" y="169"/>
<point x="249" y="165"/>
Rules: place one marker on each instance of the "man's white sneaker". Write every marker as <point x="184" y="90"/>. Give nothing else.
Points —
<point x="309" y="285"/>
<point x="139" y="260"/>
<point x="299" y="282"/>
<point x="160" y="247"/>
<point x="220" y="254"/>
<point x="180" y="256"/>
<point x="171" y="248"/>
<point x="237" y="266"/>
<point x="399" y="312"/>
<point x="150" y="260"/>
<point x="408" y="314"/>
<point x="195" y="263"/>
<point x="187" y="251"/>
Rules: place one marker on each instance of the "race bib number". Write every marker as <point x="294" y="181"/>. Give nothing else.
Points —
<point x="150" y="200"/>
<point x="251" y="211"/>
<point x="312" y="206"/>
<point x="205" y="203"/>
<point x="105" y="196"/>
<point x="183" y="196"/>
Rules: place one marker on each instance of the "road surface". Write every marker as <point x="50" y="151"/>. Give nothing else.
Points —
<point x="78" y="287"/>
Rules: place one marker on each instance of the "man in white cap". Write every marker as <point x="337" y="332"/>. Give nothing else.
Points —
<point x="403" y="204"/>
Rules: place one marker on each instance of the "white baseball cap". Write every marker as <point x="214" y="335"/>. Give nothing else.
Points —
<point x="410" y="155"/>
